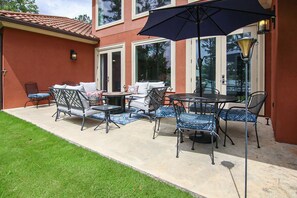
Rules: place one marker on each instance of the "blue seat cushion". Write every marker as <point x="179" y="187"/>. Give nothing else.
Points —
<point x="237" y="115"/>
<point x="165" y="112"/>
<point x="38" y="95"/>
<point x="196" y="122"/>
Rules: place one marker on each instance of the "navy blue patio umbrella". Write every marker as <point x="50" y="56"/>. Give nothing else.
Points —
<point x="203" y="18"/>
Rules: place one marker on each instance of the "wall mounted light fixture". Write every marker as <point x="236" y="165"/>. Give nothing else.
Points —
<point x="73" y="55"/>
<point x="263" y="26"/>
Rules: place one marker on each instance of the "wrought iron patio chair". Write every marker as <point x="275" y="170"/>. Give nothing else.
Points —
<point x="202" y="122"/>
<point x="164" y="111"/>
<point x="196" y="107"/>
<point x="34" y="95"/>
<point x="150" y="103"/>
<point x="255" y="103"/>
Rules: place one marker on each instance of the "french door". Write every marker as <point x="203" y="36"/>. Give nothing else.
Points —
<point x="222" y="67"/>
<point x="110" y="69"/>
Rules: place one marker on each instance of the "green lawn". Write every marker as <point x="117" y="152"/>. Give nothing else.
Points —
<point x="35" y="163"/>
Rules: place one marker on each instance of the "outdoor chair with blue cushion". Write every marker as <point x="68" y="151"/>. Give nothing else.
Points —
<point x="201" y="122"/>
<point x="34" y="95"/>
<point x="164" y="111"/>
<point x="196" y="107"/>
<point x="150" y="103"/>
<point x="255" y="103"/>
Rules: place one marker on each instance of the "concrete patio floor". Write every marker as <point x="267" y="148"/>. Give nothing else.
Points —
<point x="272" y="169"/>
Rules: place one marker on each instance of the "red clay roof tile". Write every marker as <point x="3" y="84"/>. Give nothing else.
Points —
<point x="55" y="23"/>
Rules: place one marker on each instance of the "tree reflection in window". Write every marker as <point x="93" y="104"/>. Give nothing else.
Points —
<point x="153" y="62"/>
<point x="109" y="11"/>
<point x="146" y="5"/>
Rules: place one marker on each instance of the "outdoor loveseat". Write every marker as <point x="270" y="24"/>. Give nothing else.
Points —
<point x="73" y="100"/>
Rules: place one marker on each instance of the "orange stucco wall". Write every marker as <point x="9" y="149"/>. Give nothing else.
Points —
<point x="127" y="33"/>
<point x="44" y="59"/>
<point x="284" y="72"/>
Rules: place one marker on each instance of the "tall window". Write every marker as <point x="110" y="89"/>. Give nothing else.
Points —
<point x="153" y="62"/>
<point x="109" y="12"/>
<point x="146" y="5"/>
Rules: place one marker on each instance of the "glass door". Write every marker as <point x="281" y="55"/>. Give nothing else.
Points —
<point x="222" y="67"/>
<point x="233" y="68"/>
<point x="110" y="70"/>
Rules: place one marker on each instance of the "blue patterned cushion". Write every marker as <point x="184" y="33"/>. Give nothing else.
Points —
<point x="196" y="122"/>
<point x="237" y="115"/>
<point x="38" y="95"/>
<point x="165" y="112"/>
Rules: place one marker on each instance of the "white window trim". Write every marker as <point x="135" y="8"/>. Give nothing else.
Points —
<point x="150" y="41"/>
<point x="144" y="14"/>
<point x="112" y="23"/>
<point x="99" y="50"/>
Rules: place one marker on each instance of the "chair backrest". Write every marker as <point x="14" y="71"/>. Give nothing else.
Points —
<point x="59" y="97"/>
<point x="31" y="88"/>
<point x="256" y="101"/>
<point x="155" y="97"/>
<point x="76" y="99"/>
<point x="207" y="114"/>
<point x="207" y="90"/>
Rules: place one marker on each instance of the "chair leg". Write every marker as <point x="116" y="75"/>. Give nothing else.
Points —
<point x="177" y="142"/>
<point x="57" y="115"/>
<point x="194" y="140"/>
<point x="157" y="123"/>
<point x="212" y="152"/>
<point x="257" y="134"/>
<point x="26" y="103"/>
<point x="225" y="133"/>
<point x="83" y="123"/>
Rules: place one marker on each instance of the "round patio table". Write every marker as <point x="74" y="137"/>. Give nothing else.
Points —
<point x="215" y="99"/>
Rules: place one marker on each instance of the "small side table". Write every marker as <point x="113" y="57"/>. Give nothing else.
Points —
<point x="106" y="109"/>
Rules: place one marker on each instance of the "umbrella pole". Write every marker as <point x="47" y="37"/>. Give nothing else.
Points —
<point x="199" y="51"/>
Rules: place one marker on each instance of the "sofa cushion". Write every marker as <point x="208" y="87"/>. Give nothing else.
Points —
<point x="59" y="86"/>
<point x="139" y="104"/>
<point x="89" y="86"/>
<point x="142" y="87"/>
<point x="79" y="112"/>
<point x="155" y="84"/>
<point x="79" y="88"/>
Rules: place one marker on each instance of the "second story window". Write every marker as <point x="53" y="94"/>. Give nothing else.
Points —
<point x="141" y="7"/>
<point x="110" y="12"/>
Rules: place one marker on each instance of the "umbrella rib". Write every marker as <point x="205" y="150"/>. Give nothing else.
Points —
<point x="208" y="16"/>
<point x="159" y="23"/>
<point x="187" y="19"/>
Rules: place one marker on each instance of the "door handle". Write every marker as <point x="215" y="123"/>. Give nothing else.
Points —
<point x="4" y="71"/>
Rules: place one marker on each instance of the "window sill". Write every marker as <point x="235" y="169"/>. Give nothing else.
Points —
<point x="109" y="25"/>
